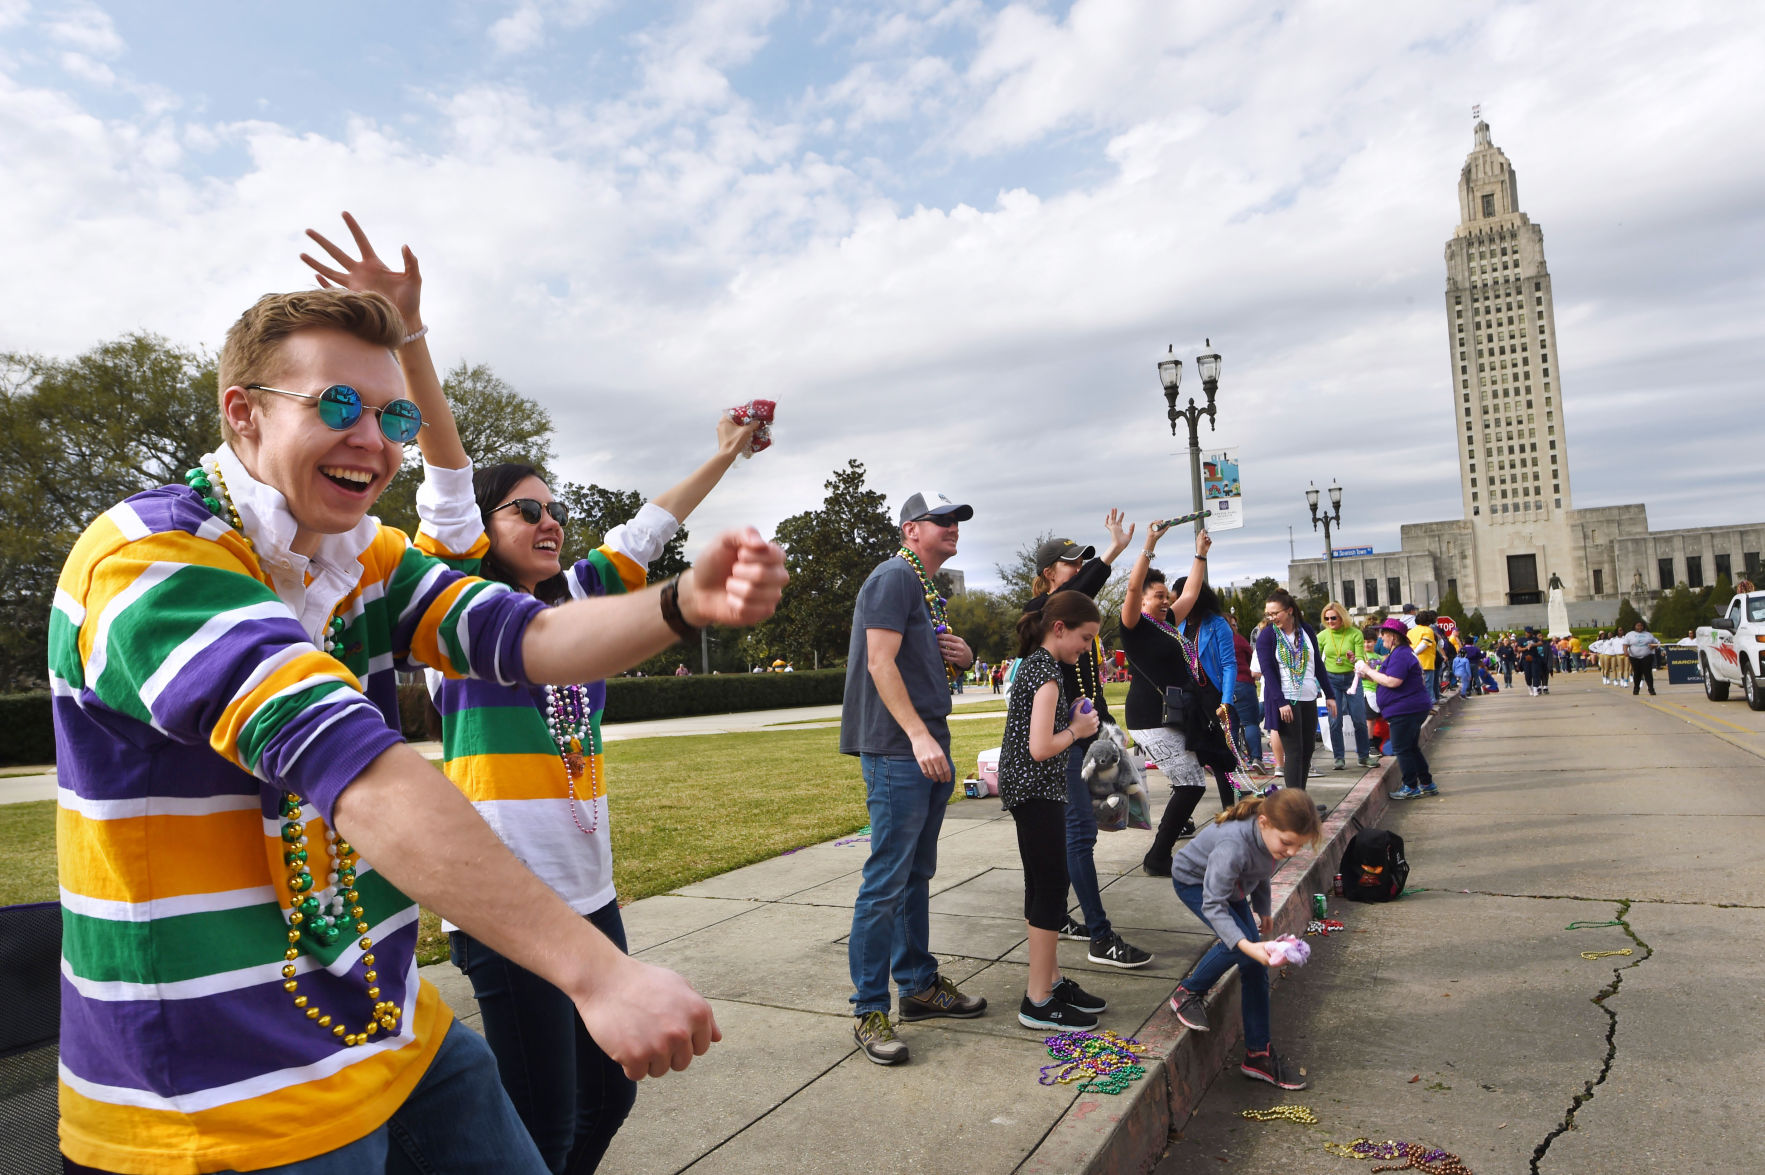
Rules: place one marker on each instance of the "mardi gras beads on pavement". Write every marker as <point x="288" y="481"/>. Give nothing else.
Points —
<point x="1299" y="1114"/>
<point x="1426" y="1159"/>
<point x="1101" y="1062"/>
<point x="571" y="722"/>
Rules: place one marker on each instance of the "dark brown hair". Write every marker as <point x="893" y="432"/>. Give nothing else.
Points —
<point x="1069" y="608"/>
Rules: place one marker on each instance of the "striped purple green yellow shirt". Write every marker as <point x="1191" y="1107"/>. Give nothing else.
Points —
<point x="187" y="698"/>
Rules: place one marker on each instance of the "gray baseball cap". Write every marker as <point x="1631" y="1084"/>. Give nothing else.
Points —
<point x="931" y="504"/>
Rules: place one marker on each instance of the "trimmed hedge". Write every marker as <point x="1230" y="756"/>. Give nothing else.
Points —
<point x="637" y="699"/>
<point x="27" y="730"/>
<point x="27" y="733"/>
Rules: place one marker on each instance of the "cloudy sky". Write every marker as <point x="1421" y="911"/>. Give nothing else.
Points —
<point x="951" y="238"/>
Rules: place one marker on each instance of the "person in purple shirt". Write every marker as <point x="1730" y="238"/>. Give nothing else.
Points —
<point x="1403" y="700"/>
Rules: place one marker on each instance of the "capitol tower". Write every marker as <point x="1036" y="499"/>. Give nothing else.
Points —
<point x="1520" y="528"/>
<point x="1502" y="338"/>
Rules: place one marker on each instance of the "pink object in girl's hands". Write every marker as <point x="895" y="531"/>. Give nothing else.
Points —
<point x="1288" y="951"/>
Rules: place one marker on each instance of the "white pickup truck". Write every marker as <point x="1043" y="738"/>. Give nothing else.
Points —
<point x="1731" y="649"/>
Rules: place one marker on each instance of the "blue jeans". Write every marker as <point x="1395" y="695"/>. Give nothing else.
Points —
<point x="1248" y="711"/>
<point x="1081" y="838"/>
<point x="457" y="1120"/>
<point x="1349" y="697"/>
<point x="571" y="1095"/>
<point x="891" y="920"/>
<point x="1431" y="678"/>
<point x="1406" y="743"/>
<point x="1253" y="977"/>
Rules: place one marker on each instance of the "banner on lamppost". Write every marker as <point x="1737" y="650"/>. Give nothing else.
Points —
<point x="1221" y="490"/>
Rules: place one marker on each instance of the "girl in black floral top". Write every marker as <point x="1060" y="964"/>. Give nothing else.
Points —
<point x="1041" y="725"/>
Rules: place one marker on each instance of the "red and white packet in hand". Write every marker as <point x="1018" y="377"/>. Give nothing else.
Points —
<point x="762" y="411"/>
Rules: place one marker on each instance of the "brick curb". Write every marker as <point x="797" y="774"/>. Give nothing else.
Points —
<point x="1113" y="1135"/>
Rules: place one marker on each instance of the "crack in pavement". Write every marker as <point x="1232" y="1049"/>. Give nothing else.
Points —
<point x="1600" y="1001"/>
<point x="1577" y="897"/>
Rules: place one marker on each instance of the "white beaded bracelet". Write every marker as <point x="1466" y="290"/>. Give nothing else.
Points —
<point x="415" y="335"/>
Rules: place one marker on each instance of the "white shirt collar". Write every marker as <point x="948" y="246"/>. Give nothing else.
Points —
<point x="335" y="566"/>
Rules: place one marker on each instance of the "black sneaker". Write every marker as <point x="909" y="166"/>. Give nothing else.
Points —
<point x="941" y="999"/>
<point x="1055" y="1014"/>
<point x="1191" y="1009"/>
<point x="1112" y="951"/>
<point x="1271" y="1069"/>
<point x="876" y="1036"/>
<point x="1188" y="829"/>
<point x="1152" y="868"/>
<point x="1071" y="994"/>
<point x="1075" y="931"/>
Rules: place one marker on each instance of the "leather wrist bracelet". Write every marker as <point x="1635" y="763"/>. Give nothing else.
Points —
<point x="671" y="613"/>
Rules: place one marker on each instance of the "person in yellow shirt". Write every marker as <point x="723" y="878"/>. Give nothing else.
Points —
<point x="1422" y="640"/>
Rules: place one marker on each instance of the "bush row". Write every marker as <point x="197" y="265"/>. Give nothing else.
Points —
<point x="27" y="733"/>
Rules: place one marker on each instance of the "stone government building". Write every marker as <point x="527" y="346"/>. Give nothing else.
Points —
<point x="1520" y="524"/>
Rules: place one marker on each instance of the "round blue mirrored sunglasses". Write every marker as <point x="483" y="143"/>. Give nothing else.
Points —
<point x="340" y="406"/>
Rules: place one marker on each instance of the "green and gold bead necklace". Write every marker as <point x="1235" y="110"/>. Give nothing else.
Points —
<point x="316" y="916"/>
<point x="934" y="603"/>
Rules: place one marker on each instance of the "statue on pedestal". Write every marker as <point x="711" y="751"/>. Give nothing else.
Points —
<point x="1558" y="608"/>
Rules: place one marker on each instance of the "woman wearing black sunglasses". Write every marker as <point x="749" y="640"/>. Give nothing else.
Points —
<point x="530" y="759"/>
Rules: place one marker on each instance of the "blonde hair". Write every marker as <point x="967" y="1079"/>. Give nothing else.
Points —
<point x="1333" y="606"/>
<point x="1289" y="810"/>
<point x="252" y="350"/>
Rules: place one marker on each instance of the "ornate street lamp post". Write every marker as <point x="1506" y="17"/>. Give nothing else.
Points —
<point x="1170" y="374"/>
<point x="1331" y="516"/>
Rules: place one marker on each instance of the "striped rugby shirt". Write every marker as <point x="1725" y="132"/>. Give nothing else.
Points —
<point x="496" y="746"/>
<point x="187" y="696"/>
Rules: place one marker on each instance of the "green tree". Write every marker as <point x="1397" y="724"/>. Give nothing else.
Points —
<point x="1312" y="597"/>
<point x="1628" y="616"/>
<point x="1451" y="605"/>
<point x="829" y="553"/>
<point x="987" y="621"/>
<point x="496" y="424"/>
<point x="1475" y="625"/>
<point x="76" y="437"/>
<point x="1019" y="575"/>
<point x="1246" y="602"/>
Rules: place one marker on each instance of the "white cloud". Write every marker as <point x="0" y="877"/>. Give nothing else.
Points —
<point x="1283" y="184"/>
<point x="84" y="26"/>
<point x="519" y="31"/>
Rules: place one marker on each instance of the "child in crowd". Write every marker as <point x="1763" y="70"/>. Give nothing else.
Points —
<point x="1461" y="672"/>
<point x="1041" y="725"/>
<point x="1223" y="876"/>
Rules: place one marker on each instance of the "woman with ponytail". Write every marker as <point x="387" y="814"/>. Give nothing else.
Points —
<point x="1223" y="877"/>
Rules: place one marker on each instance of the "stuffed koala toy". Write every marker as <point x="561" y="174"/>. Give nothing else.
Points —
<point x="1116" y="780"/>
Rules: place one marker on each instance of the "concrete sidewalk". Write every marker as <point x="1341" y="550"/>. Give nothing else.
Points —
<point x="1465" y="1017"/>
<point x="788" y="1090"/>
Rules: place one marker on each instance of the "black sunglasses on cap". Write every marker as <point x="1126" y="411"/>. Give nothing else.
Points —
<point x="531" y="510"/>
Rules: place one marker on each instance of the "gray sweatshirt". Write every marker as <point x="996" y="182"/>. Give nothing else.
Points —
<point x="1230" y="863"/>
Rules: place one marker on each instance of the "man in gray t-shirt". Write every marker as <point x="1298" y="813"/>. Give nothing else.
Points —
<point x="1640" y="647"/>
<point x="894" y="719"/>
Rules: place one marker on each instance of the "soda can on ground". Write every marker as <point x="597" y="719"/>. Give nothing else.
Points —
<point x="1320" y="905"/>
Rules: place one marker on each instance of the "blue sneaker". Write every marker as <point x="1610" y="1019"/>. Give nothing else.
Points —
<point x="1406" y="793"/>
<point x="1428" y="789"/>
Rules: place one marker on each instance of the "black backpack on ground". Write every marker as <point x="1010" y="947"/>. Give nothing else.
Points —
<point x="1373" y="867"/>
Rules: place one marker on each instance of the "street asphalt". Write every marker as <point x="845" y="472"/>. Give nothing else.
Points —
<point x="1465" y="1016"/>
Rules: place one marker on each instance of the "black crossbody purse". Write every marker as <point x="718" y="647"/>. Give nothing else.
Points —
<point x="1188" y="708"/>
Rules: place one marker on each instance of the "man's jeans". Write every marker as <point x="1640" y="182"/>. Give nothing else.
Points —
<point x="1248" y="710"/>
<point x="457" y="1120"/>
<point x="891" y="920"/>
<point x="1253" y="977"/>
<point x="1353" y="699"/>
<point x="1081" y="838"/>
<point x="1432" y="678"/>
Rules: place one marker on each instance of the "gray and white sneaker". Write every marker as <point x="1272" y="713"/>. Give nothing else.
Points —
<point x="876" y="1036"/>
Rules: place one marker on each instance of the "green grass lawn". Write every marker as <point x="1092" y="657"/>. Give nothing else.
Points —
<point x="682" y="809"/>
